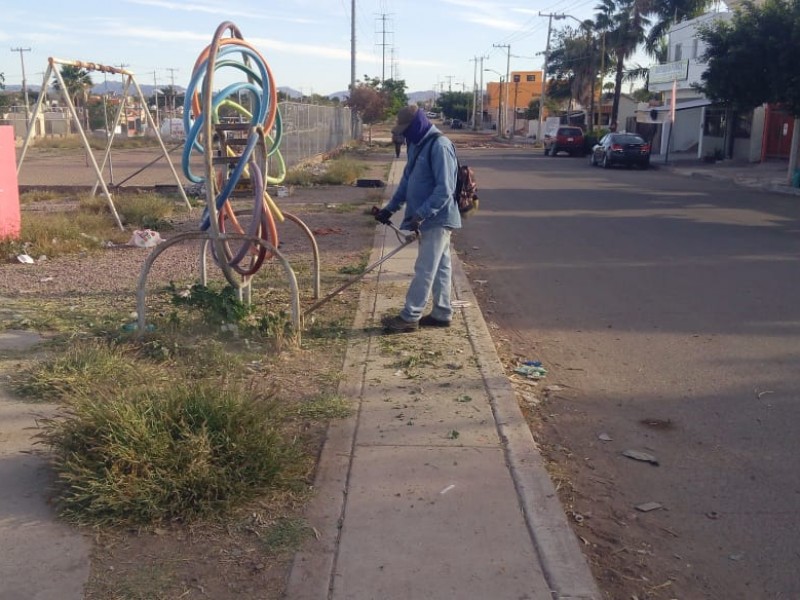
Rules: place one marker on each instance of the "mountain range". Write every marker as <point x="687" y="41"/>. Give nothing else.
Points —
<point x="115" y="88"/>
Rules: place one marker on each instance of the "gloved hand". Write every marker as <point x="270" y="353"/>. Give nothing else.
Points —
<point x="413" y="224"/>
<point x="383" y="216"/>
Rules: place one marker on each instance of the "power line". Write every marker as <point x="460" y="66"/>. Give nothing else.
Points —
<point x="24" y="81"/>
<point x="383" y="44"/>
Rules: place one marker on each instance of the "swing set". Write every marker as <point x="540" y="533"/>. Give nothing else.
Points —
<point x="129" y="81"/>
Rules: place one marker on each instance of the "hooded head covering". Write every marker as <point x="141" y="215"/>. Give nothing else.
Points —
<point x="418" y="127"/>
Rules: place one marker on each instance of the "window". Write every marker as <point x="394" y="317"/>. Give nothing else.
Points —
<point x="530" y="78"/>
<point x="678" y="51"/>
<point x="714" y="125"/>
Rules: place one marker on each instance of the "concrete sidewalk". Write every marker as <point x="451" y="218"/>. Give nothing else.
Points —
<point x="434" y="488"/>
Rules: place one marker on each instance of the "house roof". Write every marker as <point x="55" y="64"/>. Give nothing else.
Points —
<point x="683" y="105"/>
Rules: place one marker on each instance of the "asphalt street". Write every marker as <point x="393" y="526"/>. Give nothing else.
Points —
<point x="668" y="309"/>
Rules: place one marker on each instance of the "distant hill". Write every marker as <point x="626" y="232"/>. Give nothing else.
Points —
<point x="415" y="97"/>
<point x="115" y="88"/>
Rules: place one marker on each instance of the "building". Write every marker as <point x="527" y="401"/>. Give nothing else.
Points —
<point x="511" y="100"/>
<point x="695" y="125"/>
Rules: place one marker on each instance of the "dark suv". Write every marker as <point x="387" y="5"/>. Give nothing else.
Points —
<point x="564" y="139"/>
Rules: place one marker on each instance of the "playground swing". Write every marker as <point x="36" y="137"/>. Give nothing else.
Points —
<point x="130" y="79"/>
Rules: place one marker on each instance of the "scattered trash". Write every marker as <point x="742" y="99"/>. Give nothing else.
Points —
<point x="42" y="258"/>
<point x="531" y="372"/>
<point x="579" y="518"/>
<point x="481" y="281"/>
<point x="764" y="393"/>
<point x="447" y="489"/>
<point x="46" y="279"/>
<point x="641" y="456"/>
<point x="25" y="259"/>
<point x="460" y="304"/>
<point x="135" y="327"/>
<point x="532" y="363"/>
<point x="604" y="437"/>
<point x="283" y="191"/>
<point x="145" y="238"/>
<point x="553" y="388"/>
<point x="327" y="230"/>
<point x="713" y="515"/>
<point x="648" y="506"/>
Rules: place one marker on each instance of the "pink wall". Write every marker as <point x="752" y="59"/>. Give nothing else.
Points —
<point x="9" y="190"/>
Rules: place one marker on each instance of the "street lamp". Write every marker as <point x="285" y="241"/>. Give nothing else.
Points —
<point x="499" y="102"/>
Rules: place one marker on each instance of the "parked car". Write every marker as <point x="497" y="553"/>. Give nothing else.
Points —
<point x="621" y="149"/>
<point x="564" y="139"/>
<point x="457" y="124"/>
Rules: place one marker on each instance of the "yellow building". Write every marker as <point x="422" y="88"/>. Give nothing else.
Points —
<point x="514" y="96"/>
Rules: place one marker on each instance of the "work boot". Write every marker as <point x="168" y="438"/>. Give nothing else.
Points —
<point x="431" y="321"/>
<point x="398" y="325"/>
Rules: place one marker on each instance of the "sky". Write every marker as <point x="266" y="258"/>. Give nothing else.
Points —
<point x="428" y="43"/>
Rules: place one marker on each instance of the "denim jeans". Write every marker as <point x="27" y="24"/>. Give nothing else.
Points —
<point x="432" y="274"/>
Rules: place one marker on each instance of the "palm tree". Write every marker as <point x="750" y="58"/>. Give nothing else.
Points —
<point x="624" y="23"/>
<point x="78" y="82"/>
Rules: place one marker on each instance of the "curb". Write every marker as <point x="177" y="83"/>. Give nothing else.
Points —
<point x="564" y="566"/>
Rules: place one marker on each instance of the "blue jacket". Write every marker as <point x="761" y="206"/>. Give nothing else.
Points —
<point x="427" y="191"/>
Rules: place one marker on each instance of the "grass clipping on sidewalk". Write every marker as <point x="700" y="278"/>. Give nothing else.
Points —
<point x="180" y="453"/>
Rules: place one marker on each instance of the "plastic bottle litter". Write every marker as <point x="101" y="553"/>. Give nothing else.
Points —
<point x="145" y="238"/>
<point x="531" y="371"/>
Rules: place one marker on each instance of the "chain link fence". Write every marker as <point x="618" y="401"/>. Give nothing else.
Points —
<point x="310" y="130"/>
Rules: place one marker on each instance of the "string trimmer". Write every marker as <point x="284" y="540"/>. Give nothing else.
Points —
<point x="404" y="238"/>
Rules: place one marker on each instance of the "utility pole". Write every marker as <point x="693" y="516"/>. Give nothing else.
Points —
<point x="449" y="82"/>
<point x="155" y="96"/>
<point x="550" y="17"/>
<point x="24" y="81"/>
<point x="383" y="45"/>
<point x="172" y="87"/>
<point x="481" y="92"/>
<point x="353" y="116"/>
<point x="508" y="68"/>
<point x="474" y="93"/>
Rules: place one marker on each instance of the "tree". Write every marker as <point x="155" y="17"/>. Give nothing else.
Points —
<point x="4" y="102"/>
<point x="752" y="59"/>
<point x="455" y="105"/>
<point x="369" y="104"/>
<point x="573" y="60"/>
<point x="624" y="24"/>
<point x="394" y="91"/>
<point x="78" y="83"/>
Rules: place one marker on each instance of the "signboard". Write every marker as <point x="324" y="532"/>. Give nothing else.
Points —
<point x="668" y="72"/>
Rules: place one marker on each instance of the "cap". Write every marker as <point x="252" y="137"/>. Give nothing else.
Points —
<point x="404" y="118"/>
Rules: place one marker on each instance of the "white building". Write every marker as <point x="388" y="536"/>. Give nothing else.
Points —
<point x="699" y="126"/>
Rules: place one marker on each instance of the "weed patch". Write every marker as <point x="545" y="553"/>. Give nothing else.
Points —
<point x="165" y="454"/>
<point x="84" y="369"/>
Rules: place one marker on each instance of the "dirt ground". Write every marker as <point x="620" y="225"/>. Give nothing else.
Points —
<point x="248" y="554"/>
